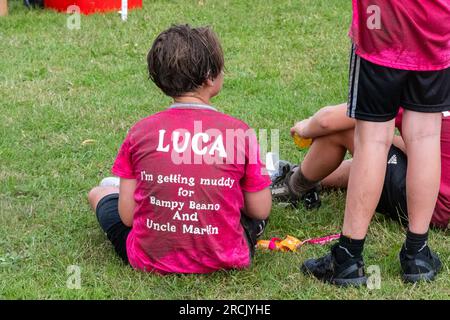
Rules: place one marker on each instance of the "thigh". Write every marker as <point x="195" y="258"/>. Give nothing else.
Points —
<point x="393" y="198"/>
<point x="374" y="91"/>
<point x="427" y="91"/>
<point x="107" y="212"/>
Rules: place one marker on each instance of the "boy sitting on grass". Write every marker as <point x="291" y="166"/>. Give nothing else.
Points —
<point x="192" y="196"/>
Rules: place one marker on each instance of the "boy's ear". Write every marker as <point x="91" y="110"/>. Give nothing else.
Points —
<point x="209" y="82"/>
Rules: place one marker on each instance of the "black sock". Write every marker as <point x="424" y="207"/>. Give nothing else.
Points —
<point x="348" y="248"/>
<point x="415" y="242"/>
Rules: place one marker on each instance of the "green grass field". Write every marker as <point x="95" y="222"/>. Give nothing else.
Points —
<point x="58" y="87"/>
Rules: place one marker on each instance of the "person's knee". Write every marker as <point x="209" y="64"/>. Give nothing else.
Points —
<point x="421" y="134"/>
<point x="374" y="135"/>
<point x="93" y="194"/>
<point x="102" y="191"/>
<point x="98" y="193"/>
<point x="418" y="127"/>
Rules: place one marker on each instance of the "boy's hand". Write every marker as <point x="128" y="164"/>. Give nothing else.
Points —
<point x="300" y="128"/>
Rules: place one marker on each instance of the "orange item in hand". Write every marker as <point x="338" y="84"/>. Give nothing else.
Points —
<point x="302" y="143"/>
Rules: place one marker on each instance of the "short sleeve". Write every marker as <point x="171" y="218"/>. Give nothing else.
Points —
<point x="255" y="177"/>
<point x="123" y="165"/>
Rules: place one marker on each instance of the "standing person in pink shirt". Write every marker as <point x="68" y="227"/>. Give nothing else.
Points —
<point x="400" y="57"/>
<point x="193" y="195"/>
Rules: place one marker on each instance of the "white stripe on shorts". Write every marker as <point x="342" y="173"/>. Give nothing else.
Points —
<point x="350" y="77"/>
<point x="355" y="87"/>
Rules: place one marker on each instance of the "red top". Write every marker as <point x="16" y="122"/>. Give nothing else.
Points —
<point x="192" y="165"/>
<point x="403" y="34"/>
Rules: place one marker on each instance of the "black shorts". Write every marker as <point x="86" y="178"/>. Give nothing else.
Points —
<point x="108" y="217"/>
<point x="393" y="198"/>
<point x="377" y="92"/>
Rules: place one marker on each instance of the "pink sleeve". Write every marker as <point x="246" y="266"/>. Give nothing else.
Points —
<point x="255" y="177"/>
<point x="123" y="166"/>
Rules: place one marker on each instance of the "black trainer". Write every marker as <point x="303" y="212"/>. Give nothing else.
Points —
<point x="424" y="265"/>
<point x="326" y="268"/>
<point x="282" y="192"/>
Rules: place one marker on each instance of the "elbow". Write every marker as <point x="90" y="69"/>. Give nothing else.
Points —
<point x="324" y="118"/>
<point x="265" y="216"/>
<point x="258" y="205"/>
<point x="126" y="215"/>
<point x="265" y="211"/>
<point x="127" y="221"/>
<point x="129" y="224"/>
<point x="260" y="215"/>
<point x="268" y="209"/>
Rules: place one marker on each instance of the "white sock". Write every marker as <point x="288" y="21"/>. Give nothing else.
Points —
<point x="110" y="182"/>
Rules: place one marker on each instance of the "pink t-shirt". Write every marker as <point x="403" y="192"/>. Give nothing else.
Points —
<point x="403" y="34"/>
<point x="441" y="216"/>
<point x="192" y="165"/>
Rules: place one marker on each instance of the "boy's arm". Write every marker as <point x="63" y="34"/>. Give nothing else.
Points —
<point x="258" y="204"/>
<point x="126" y="200"/>
<point x="326" y="121"/>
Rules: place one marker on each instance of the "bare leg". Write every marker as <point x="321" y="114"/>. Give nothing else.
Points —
<point x="372" y="143"/>
<point x="339" y="177"/>
<point x="326" y="154"/>
<point x="421" y="132"/>
<point x="98" y="193"/>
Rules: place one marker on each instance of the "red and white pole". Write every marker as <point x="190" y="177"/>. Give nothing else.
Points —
<point x="124" y="11"/>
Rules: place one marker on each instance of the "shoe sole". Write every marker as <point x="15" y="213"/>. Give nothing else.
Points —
<point x="355" y="282"/>
<point x="414" y="278"/>
<point x="428" y="277"/>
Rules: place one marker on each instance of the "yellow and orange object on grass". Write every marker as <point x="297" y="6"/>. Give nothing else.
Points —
<point x="291" y="243"/>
